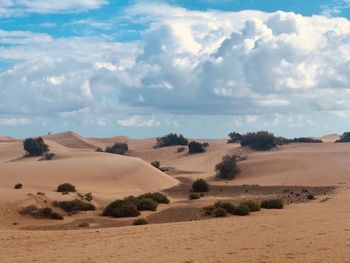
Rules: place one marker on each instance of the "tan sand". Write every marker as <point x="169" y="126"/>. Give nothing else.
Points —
<point x="311" y="232"/>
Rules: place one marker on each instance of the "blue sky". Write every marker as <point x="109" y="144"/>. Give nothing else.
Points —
<point x="202" y="68"/>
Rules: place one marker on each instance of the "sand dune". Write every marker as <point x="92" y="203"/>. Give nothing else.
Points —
<point x="330" y="138"/>
<point x="71" y="140"/>
<point x="7" y="139"/>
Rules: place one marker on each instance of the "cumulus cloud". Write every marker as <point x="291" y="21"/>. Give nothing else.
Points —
<point x="21" y="7"/>
<point x="187" y="62"/>
<point x="14" y="121"/>
<point x="138" y="121"/>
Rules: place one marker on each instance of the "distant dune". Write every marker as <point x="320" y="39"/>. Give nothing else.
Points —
<point x="71" y="140"/>
<point x="7" y="139"/>
<point x="330" y="138"/>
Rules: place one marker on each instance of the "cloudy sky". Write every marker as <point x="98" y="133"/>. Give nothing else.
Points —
<point x="202" y="68"/>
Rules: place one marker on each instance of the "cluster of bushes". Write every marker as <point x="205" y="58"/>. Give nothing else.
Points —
<point x="344" y="138"/>
<point x="234" y="137"/>
<point x="131" y="206"/>
<point x="40" y="213"/>
<point x="304" y="140"/>
<point x="200" y="186"/>
<point x="197" y="147"/>
<point x="261" y="140"/>
<point x="117" y="148"/>
<point x="221" y="209"/>
<point x="74" y="205"/>
<point x="171" y="140"/>
<point x="35" y="146"/>
<point x="88" y="196"/>
<point x="227" y="169"/>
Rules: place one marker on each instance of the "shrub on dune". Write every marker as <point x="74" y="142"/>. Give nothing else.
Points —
<point x="118" y="148"/>
<point x="171" y="140"/>
<point x="241" y="210"/>
<point x="140" y="221"/>
<point x="121" y="208"/>
<point x="74" y="205"/>
<point x="261" y="140"/>
<point x="66" y="188"/>
<point x="234" y="137"/>
<point x="229" y="207"/>
<point x="200" y="186"/>
<point x="252" y="205"/>
<point x="158" y="197"/>
<point x="344" y="138"/>
<point x="35" y="146"/>
<point x="219" y="212"/>
<point x="227" y="169"/>
<point x="156" y="164"/>
<point x="272" y="204"/>
<point x="193" y="196"/>
<point x="18" y="186"/>
<point x="146" y="204"/>
<point x="196" y="147"/>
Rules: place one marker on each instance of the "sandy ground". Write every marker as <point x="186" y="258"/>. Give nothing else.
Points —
<point x="310" y="232"/>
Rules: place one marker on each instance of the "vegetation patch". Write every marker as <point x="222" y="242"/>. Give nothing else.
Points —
<point x="156" y="196"/>
<point x="227" y="169"/>
<point x="66" y="188"/>
<point x="156" y="164"/>
<point x="40" y="213"/>
<point x="261" y="140"/>
<point x="193" y="196"/>
<point x="18" y="186"/>
<point x="171" y="140"/>
<point x="219" y="212"/>
<point x="200" y="186"/>
<point x="234" y="137"/>
<point x="118" y="148"/>
<point x="121" y="208"/>
<point x="197" y="147"/>
<point x="272" y="204"/>
<point x="74" y="205"/>
<point x="344" y="138"/>
<point x="140" y="221"/>
<point x="35" y="146"/>
<point x="253" y="206"/>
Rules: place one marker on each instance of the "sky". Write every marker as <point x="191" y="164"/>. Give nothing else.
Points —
<point x="201" y="68"/>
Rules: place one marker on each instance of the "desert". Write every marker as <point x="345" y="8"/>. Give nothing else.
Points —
<point x="305" y="230"/>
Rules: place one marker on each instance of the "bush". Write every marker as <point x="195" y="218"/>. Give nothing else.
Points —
<point x="170" y="140"/>
<point x="208" y="210"/>
<point x="344" y="138"/>
<point x="193" y="196"/>
<point x="118" y="148"/>
<point x="35" y="146"/>
<point x="234" y="137"/>
<point x="74" y="205"/>
<point x="66" y="188"/>
<point x="48" y="156"/>
<point x="241" y="210"/>
<point x="158" y="197"/>
<point x="18" y="186"/>
<point x="156" y="164"/>
<point x="305" y="140"/>
<point x="99" y="150"/>
<point x="229" y="207"/>
<point x="88" y="197"/>
<point x="272" y="204"/>
<point x="310" y="197"/>
<point x="146" y="204"/>
<point x="36" y="212"/>
<point x="196" y="147"/>
<point x="200" y="185"/>
<point x="227" y="169"/>
<point x="219" y="212"/>
<point x="261" y="140"/>
<point x="140" y="221"/>
<point x="121" y="208"/>
<point x="252" y="205"/>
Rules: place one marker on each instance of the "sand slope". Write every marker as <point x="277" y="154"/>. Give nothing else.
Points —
<point x="71" y="140"/>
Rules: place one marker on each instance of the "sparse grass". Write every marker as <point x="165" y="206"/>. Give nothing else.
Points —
<point x="74" y="205"/>
<point x="140" y="221"/>
<point x="193" y="196"/>
<point x="272" y="204"/>
<point x="66" y="188"/>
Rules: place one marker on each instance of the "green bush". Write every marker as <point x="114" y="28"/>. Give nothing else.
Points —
<point x="261" y="141"/>
<point x="193" y="196"/>
<point x="118" y="148"/>
<point x="66" y="188"/>
<point x="158" y="197"/>
<point x="272" y="204"/>
<point x="241" y="210"/>
<point x="146" y="204"/>
<point x="229" y="207"/>
<point x="121" y="208"/>
<point x="200" y="185"/>
<point x="196" y="147"/>
<point x="170" y="140"/>
<point x="234" y="137"/>
<point x="36" y="212"/>
<point x="227" y="169"/>
<point x="35" y="146"/>
<point x="208" y="210"/>
<point x="252" y="205"/>
<point x="219" y="212"/>
<point x="140" y="221"/>
<point x="74" y="205"/>
<point x="344" y="138"/>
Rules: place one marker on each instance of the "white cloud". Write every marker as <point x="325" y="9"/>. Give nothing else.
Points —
<point x="138" y="121"/>
<point x="14" y="121"/>
<point x="21" y="7"/>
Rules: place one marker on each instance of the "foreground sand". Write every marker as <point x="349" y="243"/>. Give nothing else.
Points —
<point x="310" y="232"/>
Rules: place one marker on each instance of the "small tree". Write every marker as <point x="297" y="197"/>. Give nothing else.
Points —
<point x="170" y="140"/>
<point x="35" y="146"/>
<point x="261" y="141"/>
<point x="118" y="148"/>
<point x="200" y="185"/>
<point x="234" y="137"/>
<point x="227" y="169"/>
<point x="195" y="147"/>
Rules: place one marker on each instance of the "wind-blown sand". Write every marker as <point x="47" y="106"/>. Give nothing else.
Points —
<point x="309" y="232"/>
